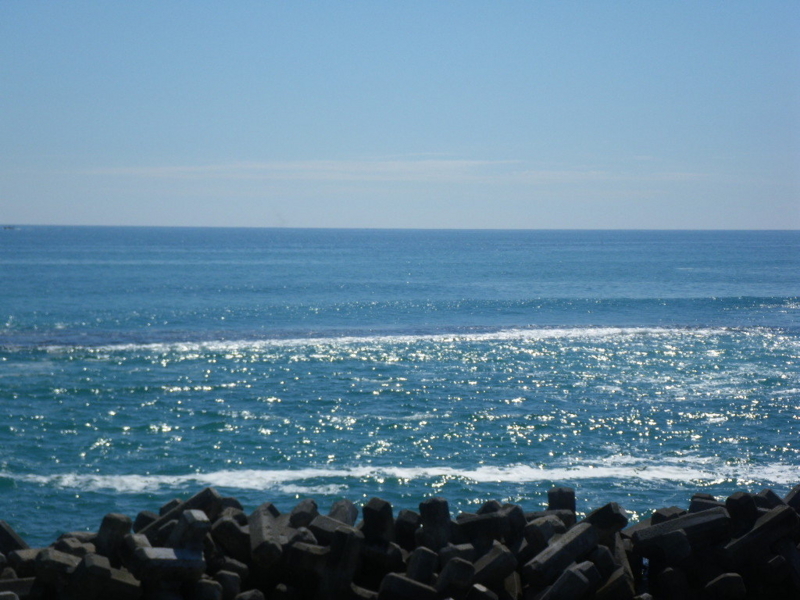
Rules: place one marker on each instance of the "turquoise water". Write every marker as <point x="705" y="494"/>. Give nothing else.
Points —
<point x="140" y="364"/>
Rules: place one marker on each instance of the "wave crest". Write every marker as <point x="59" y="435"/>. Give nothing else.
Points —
<point x="331" y="481"/>
<point x="512" y="334"/>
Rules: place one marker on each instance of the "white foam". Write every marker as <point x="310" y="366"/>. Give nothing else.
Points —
<point x="700" y="471"/>
<point x="513" y="334"/>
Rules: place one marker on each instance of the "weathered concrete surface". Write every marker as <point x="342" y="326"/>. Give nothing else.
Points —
<point x="207" y="548"/>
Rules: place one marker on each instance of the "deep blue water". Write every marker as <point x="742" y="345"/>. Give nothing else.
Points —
<point x="141" y="364"/>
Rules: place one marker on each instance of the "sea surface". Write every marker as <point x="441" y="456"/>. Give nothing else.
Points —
<point x="141" y="364"/>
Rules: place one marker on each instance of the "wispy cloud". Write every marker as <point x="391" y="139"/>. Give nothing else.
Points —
<point x="595" y="175"/>
<point x="431" y="170"/>
<point x="400" y="170"/>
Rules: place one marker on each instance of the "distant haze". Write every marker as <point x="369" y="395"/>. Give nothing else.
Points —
<point x="619" y="115"/>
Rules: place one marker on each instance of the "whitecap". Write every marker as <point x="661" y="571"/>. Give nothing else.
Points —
<point x="513" y="334"/>
<point x="695" y="470"/>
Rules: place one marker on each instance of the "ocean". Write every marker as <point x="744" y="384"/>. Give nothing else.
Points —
<point x="139" y="365"/>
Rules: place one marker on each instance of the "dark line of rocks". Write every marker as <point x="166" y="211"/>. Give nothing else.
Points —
<point x="208" y="548"/>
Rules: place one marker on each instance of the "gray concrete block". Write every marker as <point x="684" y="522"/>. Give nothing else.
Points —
<point x="539" y="532"/>
<point x="603" y="559"/>
<point x="590" y="571"/>
<point x="85" y="537"/>
<point x="728" y="586"/>
<point x="463" y="551"/>
<point x="74" y="546"/>
<point x="378" y="521"/>
<point x="630" y="562"/>
<point x="629" y="532"/>
<point x="303" y="534"/>
<point x="455" y="579"/>
<point x="10" y="539"/>
<point x="230" y="582"/>
<point x="494" y="566"/>
<point x="95" y="566"/>
<point x="436" y="529"/>
<point x="482" y="529"/>
<point x="168" y="506"/>
<point x="399" y="587"/>
<point x="342" y="563"/>
<point x="777" y="523"/>
<point x="324" y="528"/>
<point x="701" y="502"/>
<point x="306" y="563"/>
<point x="130" y="543"/>
<point x="742" y="508"/>
<point x="489" y="506"/>
<point x="230" y="502"/>
<point x="515" y="523"/>
<point x="22" y="587"/>
<point x="160" y="537"/>
<point x="192" y="528"/>
<point x="52" y="559"/>
<point x="608" y="519"/>
<point x="232" y="538"/>
<point x="288" y="592"/>
<point x="226" y="563"/>
<point x="168" y="564"/>
<point x="572" y="583"/>
<point x="422" y="564"/>
<point x="113" y="530"/>
<point x="768" y="499"/>
<point x="770" y="569"/>
<point x="671" y="584"/>
<point x="302" y="514"/>
<point x="546" y="566"/>
<point x="357" y="592"/>
<point x="524" y="552"/>
<point x="251" y="595"/>
<point x="405" y="528"/>
<point x="561" y="498"/>
<point x="566" y="516"/>
<point x="702" y="529"/>
<point x="788" y="550"/>
<point x="53" y="566"/>
<point x="512" y="586"/>
<point x="234" y="513"/>
<point x="24" y="561"/>
<point x="671" y="548"/>
<point x="143" y="519"/>
<point x="665" y="514"/>
<point x="207" y="589"/>
<point x="208" y="500"/>
<point x="481" y="592"/>
<point x="265" y="543"/>
<point x="793" y="498"/>
<point x="618" y="586"/>
<point x="91" y="577"/>
<point x="344" y="511"/>
<point x="378" y="559"/>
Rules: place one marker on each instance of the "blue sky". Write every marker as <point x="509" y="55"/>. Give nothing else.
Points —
<point x="661" y="114"/>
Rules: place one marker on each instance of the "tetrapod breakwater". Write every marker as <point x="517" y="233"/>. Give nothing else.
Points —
<point x="207" y="547"/>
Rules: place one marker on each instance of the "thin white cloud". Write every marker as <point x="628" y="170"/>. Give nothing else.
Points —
<point x="431" y="170"/>
<point x="589" y="175"/>
<point x="401" y="170"/>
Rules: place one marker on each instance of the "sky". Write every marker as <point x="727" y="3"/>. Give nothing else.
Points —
<point x="664" y="114"/>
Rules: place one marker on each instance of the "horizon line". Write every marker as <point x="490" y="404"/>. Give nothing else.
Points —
<point x="16" y="226"/>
